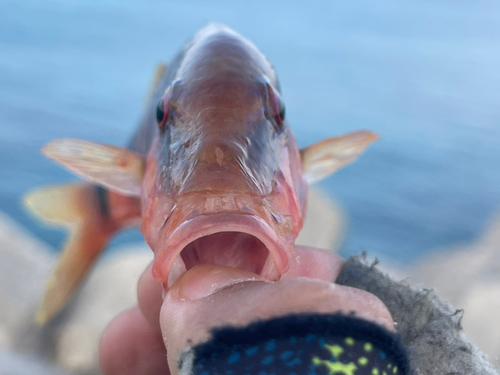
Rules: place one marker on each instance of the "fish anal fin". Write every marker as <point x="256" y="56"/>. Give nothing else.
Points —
<point x="115" y="168"/>
<point x="325" y="157"/>
<point x="92" y="220"/>
<point x="80" y="252"/>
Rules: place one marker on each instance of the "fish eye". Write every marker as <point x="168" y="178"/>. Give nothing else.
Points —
<point x="280" y="110"/>
<point x="162" y="110"/>
<point x="277" y="108"/>
<point x="162" y="113"/>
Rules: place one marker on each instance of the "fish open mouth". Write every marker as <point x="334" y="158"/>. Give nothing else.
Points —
<point x="231" y="249"/>
<point x="242" y="241"/>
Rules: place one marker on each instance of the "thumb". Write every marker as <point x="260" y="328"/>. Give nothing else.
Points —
<point x="210" y="296"/>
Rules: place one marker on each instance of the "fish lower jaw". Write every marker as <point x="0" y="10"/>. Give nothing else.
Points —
<point x="244" y="242"/>
<point x="178" y="268"/>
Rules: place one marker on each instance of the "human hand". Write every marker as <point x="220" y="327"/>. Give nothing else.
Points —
<point x="139" y="340"/>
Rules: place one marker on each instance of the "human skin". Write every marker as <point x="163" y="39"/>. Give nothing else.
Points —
<point x="141" y="339"/>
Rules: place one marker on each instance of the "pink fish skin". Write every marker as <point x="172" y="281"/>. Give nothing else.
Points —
<point x="223" y="181"/>
<point x="213" y="174"/>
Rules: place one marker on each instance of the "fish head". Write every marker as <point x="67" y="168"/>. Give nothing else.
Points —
<point x="223" y="181"/>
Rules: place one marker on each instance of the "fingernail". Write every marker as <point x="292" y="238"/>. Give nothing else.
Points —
<point x="205" y="279"/>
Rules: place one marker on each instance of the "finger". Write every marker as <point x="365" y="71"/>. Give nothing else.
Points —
<point x="306" y="261"/>
<point x="149" y="297"/>
<point x="315" y="263"/>
<point x="130" y="346"/>
<point x="186" y="318"/>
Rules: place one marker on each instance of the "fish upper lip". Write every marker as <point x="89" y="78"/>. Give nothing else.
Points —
<point x="203" y="225"/>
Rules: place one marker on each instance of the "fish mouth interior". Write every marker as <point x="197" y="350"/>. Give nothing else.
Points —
<point x="230" y="249"/>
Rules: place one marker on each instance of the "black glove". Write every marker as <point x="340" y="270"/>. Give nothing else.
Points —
<point x="309" y="344"/>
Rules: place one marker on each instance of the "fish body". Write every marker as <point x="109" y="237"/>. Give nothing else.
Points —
<point x="212" y="175"/>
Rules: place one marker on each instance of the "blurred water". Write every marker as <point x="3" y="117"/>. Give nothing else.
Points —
<point x="423" y="74"/>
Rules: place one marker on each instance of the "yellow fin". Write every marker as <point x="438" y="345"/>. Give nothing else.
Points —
<point x="75" y="206"/>
<point x="115" y="168"/>
<point x="325" y="157"/>
<point x="159" y="72"/>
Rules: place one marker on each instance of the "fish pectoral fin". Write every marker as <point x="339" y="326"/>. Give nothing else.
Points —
<point x="159" y="72"/>
<point x="115" y="168"/>
<point x="325" y="157"/>
<point x="75" y="206"/>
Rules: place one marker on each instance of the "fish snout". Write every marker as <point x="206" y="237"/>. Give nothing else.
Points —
<point x="217" y="157"/>
<point x="219" y="167"/>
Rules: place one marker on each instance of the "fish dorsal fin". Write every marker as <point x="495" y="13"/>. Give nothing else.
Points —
<point x="159" y="72"/>
<point x="115" y="168"/>
<point x="325" y="157"/>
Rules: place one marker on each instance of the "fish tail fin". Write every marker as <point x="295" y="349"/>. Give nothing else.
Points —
<point x="82" y="209"/>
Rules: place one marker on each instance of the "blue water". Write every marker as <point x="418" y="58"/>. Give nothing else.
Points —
<point x="423" y="74"/>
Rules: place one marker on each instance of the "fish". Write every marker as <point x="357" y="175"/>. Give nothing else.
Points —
<point x="212" y="175"/>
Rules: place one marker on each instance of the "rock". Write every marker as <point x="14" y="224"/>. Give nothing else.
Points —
<point x="468" y="277"/>
<point x="24" y="268"/>
<point x="17" y="364"/>
<point x="324" y="224"/>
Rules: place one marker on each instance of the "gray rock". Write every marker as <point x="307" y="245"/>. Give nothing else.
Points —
<point x="24" y="267"/>
<point x="324" y="224"/>
<point x="468" y="276"/>
<point x="18" y="364"/>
